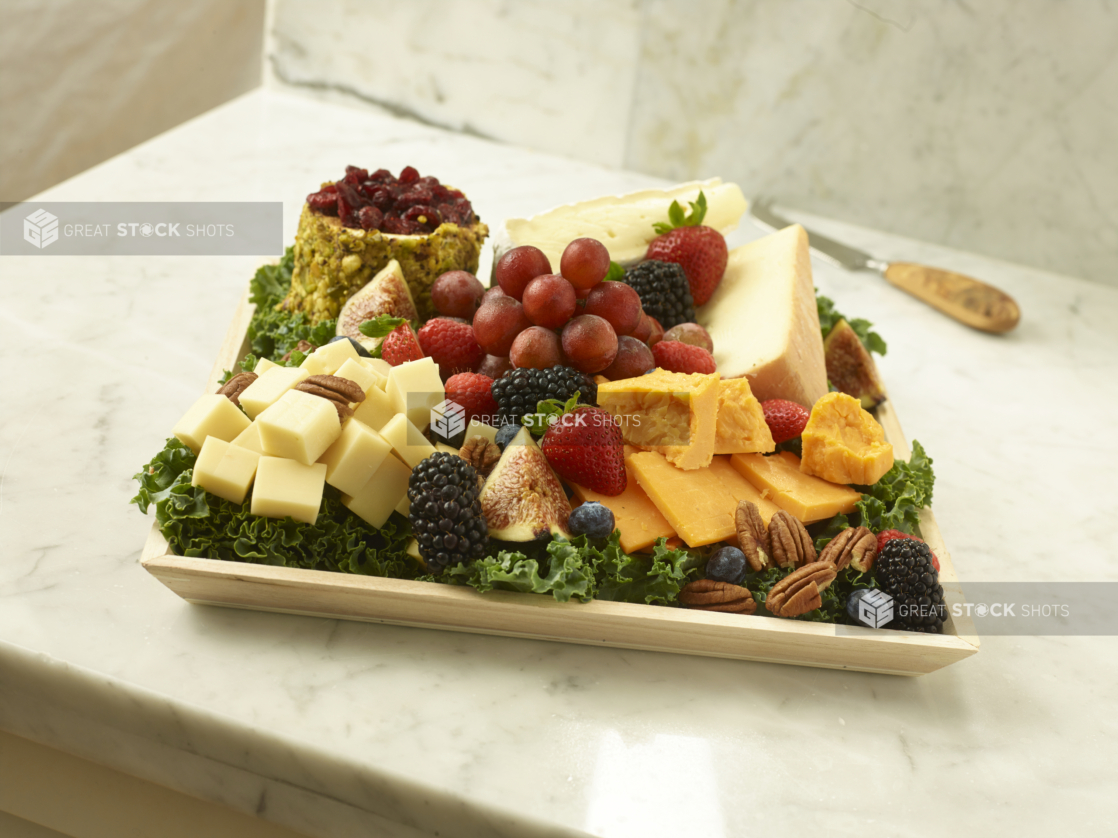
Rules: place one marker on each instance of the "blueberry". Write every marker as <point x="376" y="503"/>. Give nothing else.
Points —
<point x="505" y="435"/>
<point x="592" y="520"/>
<point x="726" y="564"/>
<point x="361" y="350"/>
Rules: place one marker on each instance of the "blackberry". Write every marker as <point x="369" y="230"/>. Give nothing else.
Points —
<point x="518" y="391"/>
<point x="904" y="570"/>
<point x="664" y="292"/>
<point x="445" y="513"/>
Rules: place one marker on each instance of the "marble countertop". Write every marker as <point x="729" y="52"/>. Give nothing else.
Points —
<point x="341" y="728"/>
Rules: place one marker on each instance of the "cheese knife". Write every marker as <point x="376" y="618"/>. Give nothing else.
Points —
<point x="968" y="300"/>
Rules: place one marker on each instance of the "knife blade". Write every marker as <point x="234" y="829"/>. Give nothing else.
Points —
<point x="968" y="300"/>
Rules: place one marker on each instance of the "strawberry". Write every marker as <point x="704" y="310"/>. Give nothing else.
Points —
<point x="786" y="420"/>
<point x="452" y="344"/>
<point x="676" y="356"/>
<point x="472" y="392"/>
<point x="885" y="536"/>
<point x="584" y="446"/>
<point x="698" y="249"/>
<point x="401" y="346"/>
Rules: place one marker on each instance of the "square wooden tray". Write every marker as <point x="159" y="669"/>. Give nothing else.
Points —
<point x="596" y="623"/>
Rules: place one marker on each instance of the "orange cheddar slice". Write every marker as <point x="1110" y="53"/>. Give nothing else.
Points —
<point x="741" y="488"/>
<point x="780" y="480"/>
<point x="634" y="515"/>
<point x="696" y="503"/>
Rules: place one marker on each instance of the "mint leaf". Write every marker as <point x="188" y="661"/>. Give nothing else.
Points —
<point x="616" y="273"/>
<point x="381" y="326"/>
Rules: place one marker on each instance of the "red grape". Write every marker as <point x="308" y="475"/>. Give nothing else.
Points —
<point x="633" y="358"/>
<point x="549" y="300"/>
<point x="585" y="262"/>
<point x="494" y="366"/>
<point x="497" y="323"/>
<point x="520" y="266"/>
<point x="657" y="332"/>
<point x="590" y="343"/>
<point x="618" y="304"/>
<point x="536" y="347"/>
<point x="644" y="329"/>
<point x="457" y="294"/>
<point x="691" y="333"/>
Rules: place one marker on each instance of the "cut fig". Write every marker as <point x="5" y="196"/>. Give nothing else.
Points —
<point x="850" y="367"/>
<point x="385" y="293"/>
<point x="522" y="499"/>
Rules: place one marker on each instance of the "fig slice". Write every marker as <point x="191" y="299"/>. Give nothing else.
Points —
<point x="385" y="293"/>
<point x="522" y="499"/>
<point x="850" y="367"/>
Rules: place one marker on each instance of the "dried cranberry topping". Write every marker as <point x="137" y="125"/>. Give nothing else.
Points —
<point x="407" y="205"/>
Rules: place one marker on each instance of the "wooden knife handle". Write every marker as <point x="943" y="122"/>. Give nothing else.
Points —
<point x="969" y="301"/>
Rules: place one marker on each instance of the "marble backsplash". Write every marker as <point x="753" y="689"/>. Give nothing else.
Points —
<point x="990" y="127"/>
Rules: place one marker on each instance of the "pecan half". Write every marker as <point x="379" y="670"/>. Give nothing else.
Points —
<point x="753" y="535"/>
<point x="340" y="391"/>
<point x="855" y="546"/>
<point x="708" y="595"/>
<point x="236" y="385"/>
<point x="791" y="544"/>
<point x="480" y="453"/>
<point x="798" y="592"/>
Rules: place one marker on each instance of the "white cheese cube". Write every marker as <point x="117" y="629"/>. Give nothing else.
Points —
<point x="359" y="374"/>
<point x="404" y="506"/>
<point x="299" y="426"/>
<point x="378" y="365"/>
<point x="376" y="410"/>
<point x="269" y="387"/>
<point x="382" y="494"/>
<point x="354" y="457"/>
<point x="211" y="415"/>
<point x="407" y="440"/>
<point x="327" y="359"/>
<point x="285" y="488"/>
<point x="415" y="388"/>
<point x="263" y="365"/>
<point x="476" y="428"/>
<point x="250" y="438"/>
<point x="225" y="469"/>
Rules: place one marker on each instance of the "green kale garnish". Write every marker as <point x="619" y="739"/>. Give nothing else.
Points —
<point x="274" y="332"/>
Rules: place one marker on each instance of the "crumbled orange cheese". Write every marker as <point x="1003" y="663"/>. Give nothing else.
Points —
<point x="780" y="480"/>
<point x="741" y="428"/>
<point x="843" y="443"/>
<point x="673" y="414"/>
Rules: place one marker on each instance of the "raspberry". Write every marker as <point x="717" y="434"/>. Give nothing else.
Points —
<point x="451" y="344"/>
<point x="675" y="356"/>
<point x="400" y="346"/>
<point x="786" y="420"/>
<point x="885" y="536"/>
<point x="472" y="392"/>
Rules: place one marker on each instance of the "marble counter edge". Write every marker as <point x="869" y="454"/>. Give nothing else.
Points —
<point x="217" y="758"/>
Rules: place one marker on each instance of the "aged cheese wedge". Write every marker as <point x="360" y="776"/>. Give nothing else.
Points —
<point x="780" y="480"/>
<point x="843" y="443"/>
<point x="623" y="223"/>
<point x="635" y="516"/>
<point x="764" y="321"/>
<point x="696" y="503"/>
<point x="741" y="421"/>
<point x="740" y="488"/>
<point x="672" y="413"/>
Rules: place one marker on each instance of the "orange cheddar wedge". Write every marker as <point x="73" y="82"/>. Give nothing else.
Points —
<point x="780" y="480"/>
<point x="634" y="515"/>
<point x="741" y="488"/>
<point x="741" y="421"/>
<point x="696" y="503"/>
